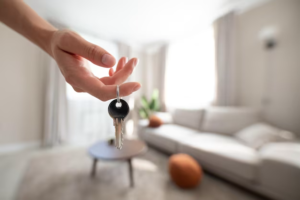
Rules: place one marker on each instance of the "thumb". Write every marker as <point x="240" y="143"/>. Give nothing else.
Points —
<point x="73" y="43"/>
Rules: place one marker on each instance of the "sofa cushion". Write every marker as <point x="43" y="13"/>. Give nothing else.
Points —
<point x="167" y="136"/>
<point x="280" y="168"/>
<point x="260" y="134"/>
<point x="228" y="120"/>
<point x="288" y="152"/>
<point x="188" y="118"/>
<point x="224" y="152"/>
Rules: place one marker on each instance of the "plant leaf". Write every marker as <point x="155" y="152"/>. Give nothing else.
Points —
<point x="154" y="104"/>
<point x="143" y="113"/>
<point x="144" y="102"/>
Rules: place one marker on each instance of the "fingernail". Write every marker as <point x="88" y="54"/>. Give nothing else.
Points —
<point x="108" y="60"/>
<point x="138" y="86"/>
<point x="126" y="59"/>
<point x="136" y="62"/>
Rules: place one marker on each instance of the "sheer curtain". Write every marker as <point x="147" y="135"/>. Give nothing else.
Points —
<point x="55" y="115"/>
<point x="190" y="72"/>
<point x="88" y="117"/>
<point x="225" y="36"/>
<point x="154" y="73"/>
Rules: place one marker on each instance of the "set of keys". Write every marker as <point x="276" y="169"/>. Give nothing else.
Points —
<point x="118" y="109"/>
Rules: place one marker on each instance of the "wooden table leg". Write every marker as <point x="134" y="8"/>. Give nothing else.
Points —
<point x="94" y="168"/>
<point x="130" y="173"/>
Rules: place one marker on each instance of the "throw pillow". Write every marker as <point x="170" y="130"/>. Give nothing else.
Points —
<point x="259" y="134"/>
<point x="154" y="121"/>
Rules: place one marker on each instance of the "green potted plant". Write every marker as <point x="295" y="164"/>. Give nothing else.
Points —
<point x="148" y="107"/>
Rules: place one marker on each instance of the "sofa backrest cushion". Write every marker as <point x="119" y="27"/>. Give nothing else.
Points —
<point x="188" y="118"/>
<point x="228" y="120"/>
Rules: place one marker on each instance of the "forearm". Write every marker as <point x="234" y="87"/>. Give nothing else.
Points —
<point x="20" y="17"/>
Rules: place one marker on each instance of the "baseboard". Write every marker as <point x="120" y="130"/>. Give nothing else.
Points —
<point x="9" y="148"/>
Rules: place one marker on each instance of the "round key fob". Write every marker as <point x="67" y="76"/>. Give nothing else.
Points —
<point x="118" y="111"/>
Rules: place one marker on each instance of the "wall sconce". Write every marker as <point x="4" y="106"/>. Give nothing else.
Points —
<point x="269" y="36"/>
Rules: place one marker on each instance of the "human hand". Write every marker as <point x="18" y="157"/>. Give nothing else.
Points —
<point x="71" y="51"/>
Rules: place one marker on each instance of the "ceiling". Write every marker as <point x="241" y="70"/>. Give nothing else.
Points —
<point x="136" y="21"/>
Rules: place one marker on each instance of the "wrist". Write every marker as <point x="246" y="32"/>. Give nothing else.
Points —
<point x="48" y="39"/>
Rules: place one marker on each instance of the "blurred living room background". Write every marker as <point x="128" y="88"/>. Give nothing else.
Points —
<point x="221" y="78"/>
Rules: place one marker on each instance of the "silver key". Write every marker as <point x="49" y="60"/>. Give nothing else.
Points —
<point x="119" y="132"/>
<point x="118" y="109"/>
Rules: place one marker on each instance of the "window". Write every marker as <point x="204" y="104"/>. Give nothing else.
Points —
<point x="87" y="116"/>
<point x="190" y="72"/>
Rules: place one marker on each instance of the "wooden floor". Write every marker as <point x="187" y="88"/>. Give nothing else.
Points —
<point x="13" y="166"/>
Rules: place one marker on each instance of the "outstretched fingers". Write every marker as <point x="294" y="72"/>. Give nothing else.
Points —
<point x="96" y="88"/>
<point x="120" y="66"/>
<point x="121" y="63"/>
<point x="121" y="76"/>
<point x="111" y="72"/>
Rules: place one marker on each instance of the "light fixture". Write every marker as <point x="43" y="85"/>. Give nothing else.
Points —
<point x="269" y="35"/>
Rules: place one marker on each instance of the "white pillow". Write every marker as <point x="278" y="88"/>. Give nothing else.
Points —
<point x="259" y="134"/>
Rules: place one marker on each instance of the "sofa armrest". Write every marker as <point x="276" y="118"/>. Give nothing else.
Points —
<point x="165" y="117"/>
<point x="280" y="168"/>
<point x="143" y="123"/>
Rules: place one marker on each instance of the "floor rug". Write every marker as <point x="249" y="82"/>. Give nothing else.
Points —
<point x="66" y="176"/>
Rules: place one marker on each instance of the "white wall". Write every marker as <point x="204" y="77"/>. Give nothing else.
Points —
<point x="21" y="97"/>
<point x="283" y="108"/>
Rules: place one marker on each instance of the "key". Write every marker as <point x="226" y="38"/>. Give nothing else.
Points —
<point x="118" y="111"/>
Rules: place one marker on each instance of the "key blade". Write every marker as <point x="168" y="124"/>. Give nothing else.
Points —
<point x="122" y="131"/>
<point x="118" y="129"/>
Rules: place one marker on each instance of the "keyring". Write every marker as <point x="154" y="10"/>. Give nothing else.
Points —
<point x="118" y="97"/>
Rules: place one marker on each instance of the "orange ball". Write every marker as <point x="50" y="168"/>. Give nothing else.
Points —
<point x="155" y="121"/>
<point x="184" y="171"/>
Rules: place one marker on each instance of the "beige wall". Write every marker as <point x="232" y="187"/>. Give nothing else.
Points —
<point x="283" y="108"/>
<point x="20" y="89"/>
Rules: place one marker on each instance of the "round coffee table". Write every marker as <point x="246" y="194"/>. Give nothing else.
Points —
<point x="104" y="151"/>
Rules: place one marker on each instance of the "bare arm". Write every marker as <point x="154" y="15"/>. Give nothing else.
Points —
<point x="20" y="17"/>
<point x="71" y="52"/>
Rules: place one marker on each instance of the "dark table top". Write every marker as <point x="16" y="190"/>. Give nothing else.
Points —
<point x="103" y="150"/>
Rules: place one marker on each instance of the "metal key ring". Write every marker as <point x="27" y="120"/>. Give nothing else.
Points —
<point x="118" y="97"/>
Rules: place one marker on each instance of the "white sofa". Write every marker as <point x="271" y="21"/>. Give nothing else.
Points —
<point x="209" y="136"/>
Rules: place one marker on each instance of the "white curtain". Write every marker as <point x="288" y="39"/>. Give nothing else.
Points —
<point x="225" y="37"/>
<point x="160" y="73"/>
<point x="155" y="73"/>
<point x="55" y="126"/>
<point x="89" y="120"/>
<point x="125" y="50"/>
